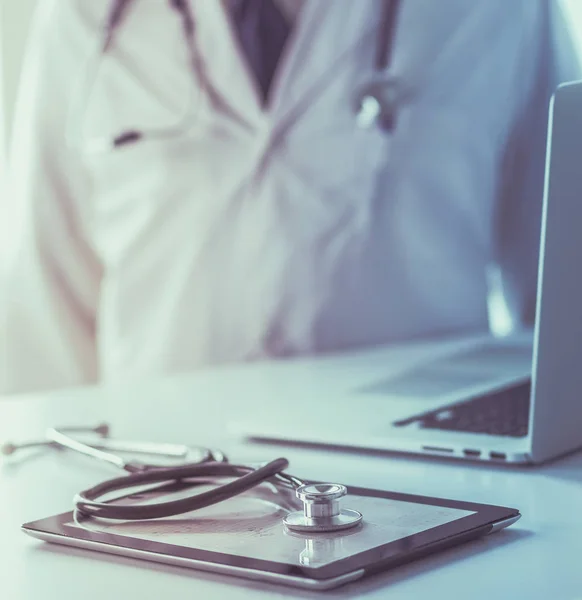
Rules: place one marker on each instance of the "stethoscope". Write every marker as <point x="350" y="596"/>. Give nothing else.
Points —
<point x="321" y="501"/>
<point x="375" y="103"/>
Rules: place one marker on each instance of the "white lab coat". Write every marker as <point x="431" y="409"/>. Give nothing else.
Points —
<point x="265" y="233"/>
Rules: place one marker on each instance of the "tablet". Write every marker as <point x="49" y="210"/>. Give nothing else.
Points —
<point x="245" y="536"/>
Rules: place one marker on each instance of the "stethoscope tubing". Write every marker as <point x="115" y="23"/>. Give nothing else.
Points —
<point x="212" y="464"/>
<point x="386" y="34"/>
<point x="86" y="502"/>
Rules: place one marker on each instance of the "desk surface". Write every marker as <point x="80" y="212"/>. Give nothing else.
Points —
<point x="540" y="557"/>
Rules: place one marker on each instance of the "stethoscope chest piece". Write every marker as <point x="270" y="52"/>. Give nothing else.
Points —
<point x="321" y="510"/>
<point x="376" y="104"/>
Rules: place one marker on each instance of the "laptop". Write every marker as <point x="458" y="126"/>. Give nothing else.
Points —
<point x="515" y="399"/>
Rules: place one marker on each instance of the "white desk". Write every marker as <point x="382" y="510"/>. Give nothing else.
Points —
<point x="540" y="557"/>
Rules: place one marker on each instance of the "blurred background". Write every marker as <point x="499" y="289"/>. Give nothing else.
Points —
<point x="15" y="19"/>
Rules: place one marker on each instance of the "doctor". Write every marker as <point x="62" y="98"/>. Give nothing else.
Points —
<point x="269" y="224"/>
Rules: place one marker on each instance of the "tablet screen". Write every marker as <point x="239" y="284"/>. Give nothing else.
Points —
<point x="251" y="525"/>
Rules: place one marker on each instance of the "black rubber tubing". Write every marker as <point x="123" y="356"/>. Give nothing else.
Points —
<point x="86" y="502"/>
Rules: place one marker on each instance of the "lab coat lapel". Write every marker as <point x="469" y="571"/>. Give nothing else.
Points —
<point x="226" y="68"/>
<point x="323" y="37"/>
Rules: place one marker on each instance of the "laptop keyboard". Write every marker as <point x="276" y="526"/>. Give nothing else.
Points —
<point x="503" y="412"/>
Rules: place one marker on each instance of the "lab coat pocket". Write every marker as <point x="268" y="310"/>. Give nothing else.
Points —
<point x="160" y="142"/>
<point x="356" y="162"/>
<point x="143" y="189"/>
<point x="345" y="159"/>
<point x="371" y="151"/>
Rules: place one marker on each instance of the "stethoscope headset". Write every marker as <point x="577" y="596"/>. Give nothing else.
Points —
<point x="375" y="104"/>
